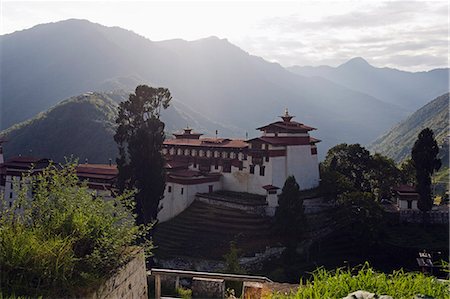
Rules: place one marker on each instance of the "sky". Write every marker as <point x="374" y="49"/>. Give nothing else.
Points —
<point x="408" y="35"/>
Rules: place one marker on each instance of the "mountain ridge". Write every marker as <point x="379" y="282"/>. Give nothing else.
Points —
<point x="212" y="77"/>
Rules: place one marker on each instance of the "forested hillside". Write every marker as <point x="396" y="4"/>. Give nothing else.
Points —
<point x="83" y="126"/>
<point x="398" y="142"/>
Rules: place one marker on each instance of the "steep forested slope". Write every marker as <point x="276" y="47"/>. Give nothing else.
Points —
<point x="83" y="126"/>
<point x="398" y="142"/>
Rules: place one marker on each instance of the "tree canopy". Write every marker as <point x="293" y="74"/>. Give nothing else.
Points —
<point x="289" y="215"/>
<point x="424" y="155"/>
<point x="140" y="136"/>
<point x="351" y="168"/>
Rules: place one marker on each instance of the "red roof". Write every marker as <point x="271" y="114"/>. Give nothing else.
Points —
<point x="97" y="171"/>
<point x="208" y="142"/>
<point x="192" y="177"/>
<point x="286" y="126"/>
<point x="20" y="162"/>
<point x="187" y="173"/>
<point x="405" y="189"/>
<point x="270" y="187"/>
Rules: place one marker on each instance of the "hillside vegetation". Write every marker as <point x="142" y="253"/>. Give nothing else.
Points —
<point x="81" y="126"/>
<point x="84" y="125"/>
<point x="398" y="142"/>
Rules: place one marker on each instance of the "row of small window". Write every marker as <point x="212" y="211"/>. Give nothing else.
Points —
<point x="261" y="169"/>
<point x="208" y="154"/>
<point x="210" y="189"/>
<point x="227" y="168"/>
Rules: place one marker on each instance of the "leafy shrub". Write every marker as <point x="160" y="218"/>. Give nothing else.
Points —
<point x="66" y="240"/>
<point x="184" y="293"/>
<point x="341" y="282"/>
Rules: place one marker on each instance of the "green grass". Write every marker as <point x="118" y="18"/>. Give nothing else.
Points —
<point x="341" y="282"/>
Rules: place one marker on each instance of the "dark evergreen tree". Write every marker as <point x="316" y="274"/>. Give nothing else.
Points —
<point x="140" y="135"/>
<point x="424" y="155"/>
<point x="289" y="215"/>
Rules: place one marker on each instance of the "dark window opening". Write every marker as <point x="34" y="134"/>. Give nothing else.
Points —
<point x="210" y="188"/>
<point x="10" y="194"/>
<point x="169" y="189"/>
<point x="272" y="191"/>
<point x="10" y="204"/>
<point x="267" y="158"/>
<point x="252" y="169"/>
<point x="245" y="157"/>
<point x="262" y="170"/>
<point x="241" y="166"/>
<point x="226" y="166"/>
<point x="182" y="190"/>
<point x="409" y="204"/>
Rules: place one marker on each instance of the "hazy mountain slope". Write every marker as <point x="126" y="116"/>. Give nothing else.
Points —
<point x="398" y="142"/>
<point x="406" y="89"/>
<point x="212" y="77"/>
<point x="82" y="126"/>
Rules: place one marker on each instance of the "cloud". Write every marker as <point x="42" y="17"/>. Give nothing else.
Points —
<point x="406" y="35"/>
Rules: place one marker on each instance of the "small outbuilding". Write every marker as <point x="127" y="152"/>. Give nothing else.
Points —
<point x="407" y="197"/>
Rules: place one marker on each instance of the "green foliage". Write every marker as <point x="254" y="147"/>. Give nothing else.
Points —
<point x="352" y="161"/>
<point x="289" y="215"/>
<point x="350" y="168"/>
<point x="65" y="240"/>
<point x="232" y="266"/>
<point x="333" y="183"/>
<point x="424" y="155"/>
<point x="408" y="172"/>
<point x="363" y="214"/>
<point x="384" y="175"/>
<point x="341" y="282"/>
<point x="184" y="293"/>
<point x="232" y="260"/>
<point x="140" y="135"/>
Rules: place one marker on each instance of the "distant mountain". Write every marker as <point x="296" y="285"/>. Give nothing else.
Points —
<point x="405" y="89"/>
<point x="82" y="126"/>
<point x="398" y="142"/>
<point x="220" y="82"/>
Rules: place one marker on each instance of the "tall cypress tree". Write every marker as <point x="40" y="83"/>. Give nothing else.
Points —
<point x="424" y="155"/>
<point x="289" y="215"/>
<point x="140" y="135"/>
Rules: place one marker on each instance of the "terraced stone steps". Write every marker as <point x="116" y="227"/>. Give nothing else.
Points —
<point x="206" y="230"/>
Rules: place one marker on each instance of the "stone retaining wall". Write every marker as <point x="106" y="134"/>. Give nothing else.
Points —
<point x="435" y="217"/>
<point x="129" y="282"/>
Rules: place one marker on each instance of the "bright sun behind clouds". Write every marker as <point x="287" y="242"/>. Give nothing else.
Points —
<point x="407" y="35"/>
